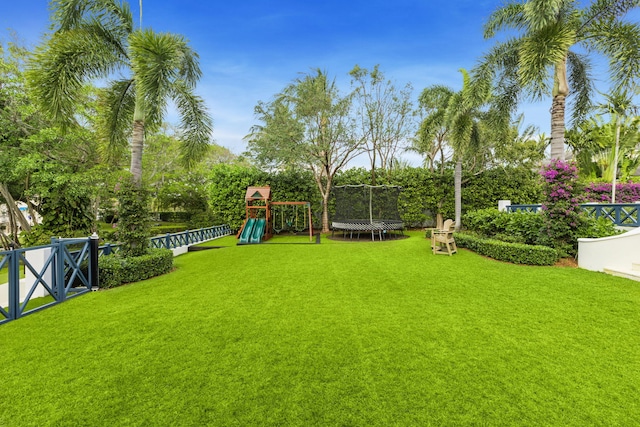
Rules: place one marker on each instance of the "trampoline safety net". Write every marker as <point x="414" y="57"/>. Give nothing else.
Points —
<point x="366" y="208"/>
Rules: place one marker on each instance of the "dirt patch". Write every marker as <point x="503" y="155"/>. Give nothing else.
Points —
<point x="567" y="262"/>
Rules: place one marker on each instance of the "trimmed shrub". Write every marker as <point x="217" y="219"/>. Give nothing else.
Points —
<point x="116" y="270"/>
<point x="173" y="216"/>
<point x="516" y="253"/>
<point x="164" y="229"/>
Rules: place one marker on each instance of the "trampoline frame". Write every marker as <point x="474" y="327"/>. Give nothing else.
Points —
<point x="375" y="226"/>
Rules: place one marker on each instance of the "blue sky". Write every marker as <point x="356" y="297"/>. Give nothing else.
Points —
<point x="250" y="50"/>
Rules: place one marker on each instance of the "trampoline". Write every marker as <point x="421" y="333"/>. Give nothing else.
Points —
<point x="367" y="209"/>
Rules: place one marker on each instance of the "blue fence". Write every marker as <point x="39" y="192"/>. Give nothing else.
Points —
<point x="190" y="237"/>
<point x="67" y="268"/>
<point x="622" y="214"/>
<point x="175" y="240"/>
<point x="64" y="269"/>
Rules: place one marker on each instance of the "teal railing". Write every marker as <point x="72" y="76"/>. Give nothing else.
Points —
<point x="621" y="214"/>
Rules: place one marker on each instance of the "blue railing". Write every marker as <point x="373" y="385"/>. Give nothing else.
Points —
<point x="54" y="271"/>
<point x="68" y="267"/>
<point x="175" y="240"/>
<point x="621" y="214"/>
<point x="190" y="237"/>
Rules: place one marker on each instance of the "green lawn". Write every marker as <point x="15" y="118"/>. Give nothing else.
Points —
<point x="342" y="333"/>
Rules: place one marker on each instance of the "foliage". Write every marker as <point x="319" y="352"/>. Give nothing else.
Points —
<point x="594" y="228"/>
<point x="593" y="145"/>
<point x="309" y="126"/>
<point x="561" y="209"/>
<point x="517" y="253"/>
<point x="518" y="227"/>
<point x="544" y="55"/>
<point x="116" y="270"/>
<point x="133" y="218"/>
<point x="626" y="192"/>
<point x="424" y="193"/>
<point x="227" y="187"/>
<point x="95" y="39"/>
<point x="383" y="116"/>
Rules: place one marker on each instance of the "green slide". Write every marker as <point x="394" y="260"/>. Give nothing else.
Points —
<point x="246" y="231"/>
<point x="258" y="231"/>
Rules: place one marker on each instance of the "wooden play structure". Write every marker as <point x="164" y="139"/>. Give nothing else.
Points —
<point x="259" y="216"/>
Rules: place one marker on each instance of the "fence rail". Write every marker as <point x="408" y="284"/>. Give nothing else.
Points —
<point x="67" y="268"/>
<point x="64" y="269"/>
<point x="621" y="214"/>
<point x="175" y="240"/>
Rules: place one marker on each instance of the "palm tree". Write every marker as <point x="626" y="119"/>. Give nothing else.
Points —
<point x="96" y="39"/>
<point x="618" y="104"/>
<point x="457" y="117"/>
<point x="548" y="33"/>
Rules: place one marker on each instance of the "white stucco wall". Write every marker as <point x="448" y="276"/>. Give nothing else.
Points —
<point x="616" y="252"/>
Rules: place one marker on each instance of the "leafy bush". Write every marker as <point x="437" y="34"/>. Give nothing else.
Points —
<point x="425" y="193"/>
<point x="116" y="270"/>
<point x="626" y="192"/>
<point x="516" y="253"/>
<point x="173" y="216"/>
<point x="517" y="227"/>
<point x="202" y="220"/>
<point x="593" y="228"/>
<point x="133" y="214"/>
<point x="169" y="228"/>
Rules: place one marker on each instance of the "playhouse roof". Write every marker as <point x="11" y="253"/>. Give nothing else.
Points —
<point x="258" y="193"/>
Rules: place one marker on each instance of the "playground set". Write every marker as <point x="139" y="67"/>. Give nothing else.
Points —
<point x="264" y="217"/>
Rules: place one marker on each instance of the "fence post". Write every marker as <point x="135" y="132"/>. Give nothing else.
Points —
<point x="58" y="270"/>
<point x="94" y="279"/>
<point x="167" y="241"/>
<point x="14" y="285"/>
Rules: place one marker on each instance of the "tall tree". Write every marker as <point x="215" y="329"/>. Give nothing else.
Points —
<point x="460" y="119"/>
<point x="541" y="59"/>
<point x="307" y="126"/>
<point x="431" y="139"/>
<point x="383" y="116"/>
<point x="95" y="39"/>
<point x="618" y="105"/>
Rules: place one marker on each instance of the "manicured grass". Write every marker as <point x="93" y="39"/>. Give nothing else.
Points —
<point x="340" y="333"/>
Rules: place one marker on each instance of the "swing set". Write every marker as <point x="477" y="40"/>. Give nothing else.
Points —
<point x="264" y="217"/>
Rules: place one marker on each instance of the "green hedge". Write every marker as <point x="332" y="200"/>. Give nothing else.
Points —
<point x="517" y="253"/>
<point x="425" y="193"/>
<point x="115" y="270"/>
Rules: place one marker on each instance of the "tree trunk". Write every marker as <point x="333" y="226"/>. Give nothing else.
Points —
<point x="615" y="161"/>
<point x="137" y="143"/>
<point x="325" y="213"/>
<point x="560" y="92"/>
<point x="14" y="212"/>
<point x="457" y="188"/>
<point x="557" y="127"/>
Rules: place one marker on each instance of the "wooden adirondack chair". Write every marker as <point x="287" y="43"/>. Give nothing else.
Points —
<point x="442" y="241"/>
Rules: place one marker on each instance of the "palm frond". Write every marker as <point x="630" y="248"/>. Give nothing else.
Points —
<point x="158" y="61"/>
<point x="581" y="82"/>
<point x="59" y="69"/>
<point x="620" y="42"/>
<point x="605" y="11"/>
<point x="196" y="124"/>
<point x="541" y="50"/>
<point x="70" y="14"/>
<point x="510" y="16"/>
<point x="540" y="14"/>
<point x="116" y="103"/>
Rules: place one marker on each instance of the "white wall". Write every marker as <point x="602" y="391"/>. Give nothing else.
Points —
<point x="616" y="252"/>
